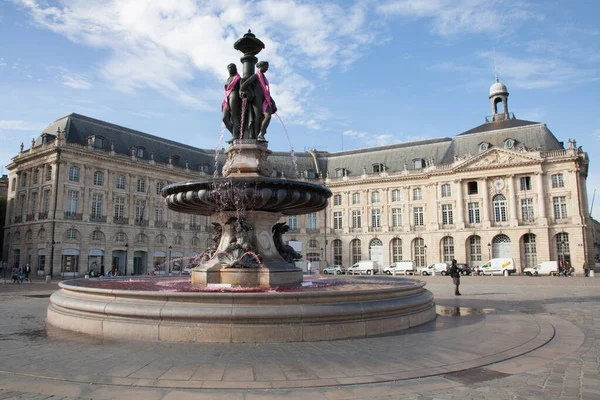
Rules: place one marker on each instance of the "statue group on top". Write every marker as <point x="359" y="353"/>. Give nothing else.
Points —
<point x="252" y="120"/>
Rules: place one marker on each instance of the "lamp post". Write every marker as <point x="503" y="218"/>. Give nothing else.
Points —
<point x="489" y="251"/>
<point x="126" y="257"/>
<point x="425" y="252"/>
<point x="169" y="265"/>
<point x="322" y="261"/>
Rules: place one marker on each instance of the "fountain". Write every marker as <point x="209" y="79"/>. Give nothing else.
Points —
<point x="246" y="289"/>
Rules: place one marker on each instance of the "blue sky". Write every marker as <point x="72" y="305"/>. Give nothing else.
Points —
<point x="345" y="74"/>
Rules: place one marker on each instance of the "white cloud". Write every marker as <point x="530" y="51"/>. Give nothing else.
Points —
<point x="453" y="17"/>
<point x="2" y="63"/>
<point x="20" y="125"/>
<point x="370" y="139"/>
<point x="75" y="82"/>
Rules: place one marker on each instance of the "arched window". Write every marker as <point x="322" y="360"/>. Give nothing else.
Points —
<point x="120" y="237"/>
<point x="448" y="249"/>
<point x="475" y="250"/>
<point x="313" y="244"/>
<point x="178" y="240"/>
<point x="562" y="247"/>
<point x="195" y="241"/>
<point x="396" y="249"/>
<point x="97" y="236"/>
<point x="28" y="236"/>
<point x="206" y="168"/>
<point x="337" y="252"/>
<point x="141" y="238"/>
<point x="41" y="235"/>
<point x="99" y="178"/>
<point x="529" y="250"/>
<point x="418" y="250"/>
<point x="17" y="238"/>
<point x="355" y="252"/>
<point x="500" y="208"/>
<point x="161" y="239"/>
<point x="501" y="247"/>
<point x="72" y="234"/>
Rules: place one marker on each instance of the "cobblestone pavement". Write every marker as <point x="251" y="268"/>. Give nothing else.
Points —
<point x="556" y="371"/>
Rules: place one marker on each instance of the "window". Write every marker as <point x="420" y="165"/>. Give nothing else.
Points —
<point x="337" y="252"/>
<point x="140" y="152"/>
<point x="313" y="244"/>
<point x="418" y="216"/>
<point x="33" y="203"/>
<point x="48" y="173"/>
<point x="562" y="247"/>
<point x="395" y="195"/>
<point x="447" y="217"/>
<point x="374" y="197"/>
<point x="560" y="207"/>
<point x="72" y="202"/>
<point x="396" y="247"/>
<point x="121" y="182"/>
<point x="23" y="180"/>
<point x="396" y="217"/>
<point x="475" y="250"/>
<point x="419" y="252"/>
<point x="178" y="240"/>
<point x="377" y="168"/>
<point x="141" y="238"/>
<point x="193" y="220"/>
<point x="71" y="234"/>
<point x="161" y="239"/>
<point x="140" y="208"/>
<point x="448" y="249"/>
<point x="158" y="215"/>
<point x="356" y="219"/>
<point x="99" y="142"/>
<point x="418" y="163"/>
<point x="159" y="187"/>
<point x="311" y="223"/>
<point x="120" y="237"/>
<point x="356" y="198"/>
<point x="337" y="200"/>
<point x="36" y="176"/>
<point x="22" y="206"/>
<point x="96" y="206"/>
<point x="141" y="185"/>
<point x="446" y="190"/>
<point x="195" y="241"/>
<point x="339" y="172"/>
<point x="74" y="174"/>
<point x="417" y="194"/>
<point x="530" y="250"/>
<point x="527" y="209"/>
<point x="293" y="222"/>
<point x="99" y="178"/>
<point x="376" y="218"/>
<point x="557" y="181"/>
<point x="525" y="183"/>
<point x="46" y="201"/>
<point x="175" y="160"/>
<point x="337" y="220"/>
<point x="472" y="187"/>
<point x="119" y="208"/>
<point x="206" y="168"/>
<point x="500" y="208"/>
<point x="97" y="236"/>
<point x="474" y="216"/>
<point x="355" y="253"/>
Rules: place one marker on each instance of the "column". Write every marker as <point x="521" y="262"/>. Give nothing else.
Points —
<point x="460" y="205"/>
<point x="541" y="192"/>
<point x="485" y="218"/>
<point x="512" y="201"/>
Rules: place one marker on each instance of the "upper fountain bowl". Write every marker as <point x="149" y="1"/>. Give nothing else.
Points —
<point x="209" y="196"/>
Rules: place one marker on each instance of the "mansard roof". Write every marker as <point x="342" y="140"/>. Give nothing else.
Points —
<point x="496" y="125"/>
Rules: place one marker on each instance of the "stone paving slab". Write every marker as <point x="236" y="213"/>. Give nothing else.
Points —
<point x="565" y="366"/>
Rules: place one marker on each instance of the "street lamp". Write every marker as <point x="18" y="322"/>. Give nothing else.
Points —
<point x="489" y="251"/>
<point x="169" y="265"/>
<point x="425" y="251"/>
<point x="126" y="256"/>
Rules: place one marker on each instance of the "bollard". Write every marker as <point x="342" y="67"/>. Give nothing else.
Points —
<point x="47" y="278"/>
<point x="592" y="273"/>
<point x="394" y="272"/>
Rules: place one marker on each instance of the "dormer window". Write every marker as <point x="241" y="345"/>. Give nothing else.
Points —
<point x="509" y="144"/>
<point x="377" y="168"/>
<point x="140" y="152"/>
<point x="483" y="146"/>
<point x="311" y="174"/>
<point x="339" y="172"/>
<point x="175" y="160"/>
<point x="418" y="163"/>
<point x="205" y="168"/>
<point x="99" y="142"/>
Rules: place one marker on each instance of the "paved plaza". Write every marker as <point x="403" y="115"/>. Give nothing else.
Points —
<point x="505" y="338"/>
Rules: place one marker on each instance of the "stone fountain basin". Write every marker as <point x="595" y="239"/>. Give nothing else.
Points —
<point x="348" y="308"/>
<point x="209" y="196"/>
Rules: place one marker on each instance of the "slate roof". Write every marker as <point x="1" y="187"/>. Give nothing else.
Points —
<point x="503" y="124"/>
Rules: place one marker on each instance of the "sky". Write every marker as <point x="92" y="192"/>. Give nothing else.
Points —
<point x="345" y="74"/>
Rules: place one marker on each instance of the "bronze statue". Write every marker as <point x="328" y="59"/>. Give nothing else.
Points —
<point x="257" y="92"/>
<point x="286" y="251"/>
<point x="232" y="105"/>
<point x="236" y="253"/>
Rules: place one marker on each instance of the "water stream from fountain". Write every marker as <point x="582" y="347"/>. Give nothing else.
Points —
<point x="292" y="154"/>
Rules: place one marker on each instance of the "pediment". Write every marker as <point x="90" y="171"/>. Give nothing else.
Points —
<point x="496" y="158"/>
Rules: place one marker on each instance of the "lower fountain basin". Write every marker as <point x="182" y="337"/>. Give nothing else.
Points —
<point x="329" y="309"/>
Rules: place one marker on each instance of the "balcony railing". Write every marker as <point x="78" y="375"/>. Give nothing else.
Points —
<point x="160" y="224"/>
<point x="312" y="230"/>
<point x="194" y="227"/>
<point x="73" y="216"/>
<point x="178" y="225"/>
<point x="43" y="215"/>
<point x="375" y="229"/>
<point x="294" y="230"/>
<point x="30" y="217"/>
<point x="356" y="230"/>
<point x="141" y="222"/>
<point x="397" y="228"/>
<point x="97" y="218"/>
<point x="18" y="219"/>
<point x="120" y="221"/>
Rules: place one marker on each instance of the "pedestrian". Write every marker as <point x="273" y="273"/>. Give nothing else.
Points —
<point x="586" y="271"/>
<point x="309" y="268"/>
<point x="455" y="275"/>
<point x="27" y="271"/>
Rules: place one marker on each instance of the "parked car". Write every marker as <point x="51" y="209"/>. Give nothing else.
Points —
<point x="438" y="267"/>
<point x="498" y="266"/>
<point x="464" y="269"/>
<point x="545" y="268"/>
<point x="187" y="271"/>
<point x="364" y="267"/>
<point x="400" y="267"/>
<point x="334" y="269"/>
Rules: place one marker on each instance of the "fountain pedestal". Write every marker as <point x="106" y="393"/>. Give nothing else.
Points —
<point x="247" y="158"/>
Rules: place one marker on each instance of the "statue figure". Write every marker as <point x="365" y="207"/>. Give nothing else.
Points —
<point x="286" y="251"/>
<point x="232" y="104"/>
<point x="256" y="90"/>
<point x="236" y="253"/>
<point x="218" y="232"/>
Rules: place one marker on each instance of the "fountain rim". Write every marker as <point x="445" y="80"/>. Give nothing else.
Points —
<point x="414" y="285"/>
<point x="193" y="184"/>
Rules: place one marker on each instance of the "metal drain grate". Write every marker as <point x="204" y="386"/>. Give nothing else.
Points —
<point x="475" y="375"/>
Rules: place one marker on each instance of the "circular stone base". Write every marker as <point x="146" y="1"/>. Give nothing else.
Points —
<point x="347" y="308"/>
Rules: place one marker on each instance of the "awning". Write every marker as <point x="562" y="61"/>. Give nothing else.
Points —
<point x="70" y="252"/>
<point x="159" y="254"/>
<point x="95" y="252"/>
<point x="41" y="252"/>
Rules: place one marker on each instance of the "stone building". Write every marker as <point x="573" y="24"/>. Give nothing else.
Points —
<point x="86" y="195"/>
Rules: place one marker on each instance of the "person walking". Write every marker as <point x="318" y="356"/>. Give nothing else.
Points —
<point x="309" y="268"/>
<point x="27" y="272"/>
<point x="455" y="275"/>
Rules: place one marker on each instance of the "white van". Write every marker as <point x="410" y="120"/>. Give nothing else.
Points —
<point x="363" y="267"/>
<point x="400" y="267"/>
<point x="498" y="266"/>
<point x="438" y="268"/>
<point x="545" y="268"/>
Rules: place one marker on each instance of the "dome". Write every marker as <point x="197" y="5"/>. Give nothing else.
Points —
<point x="498" y="88"/>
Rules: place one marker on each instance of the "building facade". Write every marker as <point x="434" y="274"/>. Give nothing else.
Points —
<point x="85" y="196"/>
